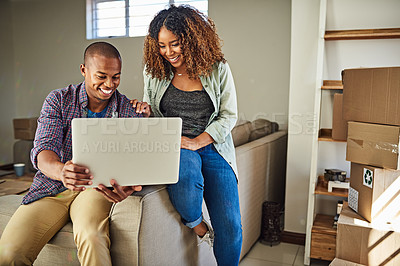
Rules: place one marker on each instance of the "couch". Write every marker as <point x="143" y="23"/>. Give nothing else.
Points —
<point x="145" y="229"/>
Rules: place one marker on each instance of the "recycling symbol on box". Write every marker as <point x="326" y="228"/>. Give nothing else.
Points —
<point x="367" y="178"/>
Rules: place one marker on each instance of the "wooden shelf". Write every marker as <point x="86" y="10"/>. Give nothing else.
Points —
<point x="322" y="189"/>
<point x="363" y="34"/>
<point x="324" y="224"/>
<point x="323" y="238"/>
<point x="325" y="134"/>
<point x="332" y="85"/>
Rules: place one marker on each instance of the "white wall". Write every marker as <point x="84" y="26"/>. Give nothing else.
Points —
<point x="7" y="82"/>
<point x="256" y="35"/>
<point x="48" y="39"/>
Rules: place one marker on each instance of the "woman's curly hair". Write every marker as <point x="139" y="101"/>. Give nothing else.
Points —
<point x="197" y="36"/>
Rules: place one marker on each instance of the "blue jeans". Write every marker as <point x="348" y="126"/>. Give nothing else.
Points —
<point x="205" y="173"/>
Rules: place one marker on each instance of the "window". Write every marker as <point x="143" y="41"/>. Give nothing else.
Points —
<point x="127" y="18"/>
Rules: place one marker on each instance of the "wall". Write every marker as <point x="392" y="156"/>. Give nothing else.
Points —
<point x="304" y="83"/>
<point x="7" y="99"/>
<point x="52" y="58"/>
<point x="49" y="40"/>
<point x="256" y="35"/>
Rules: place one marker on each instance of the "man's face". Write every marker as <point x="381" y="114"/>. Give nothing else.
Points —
<point x="102" y="77"/>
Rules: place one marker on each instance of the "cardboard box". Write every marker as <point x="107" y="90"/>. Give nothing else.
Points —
<point x="361" y="242"/>
<point x="372" y="95"/>
<point x="340" y="262"/>
<point x="373" y="144"/>
<point x="25" y="128"/>
<point x="375" y="193"/>
<point x="339" y="125"/>
<point x="24" y="134"/>
<point x="25" y="123"/>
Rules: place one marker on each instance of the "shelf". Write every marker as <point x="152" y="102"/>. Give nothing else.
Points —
<point x="323" y="224"/>
<point x="323" y="238"/>
<point x="322" y="189"/>
<point x="363" y="34"/>
<point x="332" y="85"/>
<point x="325" y="134"/>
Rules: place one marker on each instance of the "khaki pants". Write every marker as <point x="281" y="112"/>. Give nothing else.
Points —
<point x="33" y="225"/>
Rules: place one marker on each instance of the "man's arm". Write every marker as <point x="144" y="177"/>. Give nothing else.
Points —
<point x="73" y="176"/>
<point x="48" y="145"/>
<point x="119" y="193"/>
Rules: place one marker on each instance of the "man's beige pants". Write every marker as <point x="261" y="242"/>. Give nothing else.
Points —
<point x="33" y="225"/>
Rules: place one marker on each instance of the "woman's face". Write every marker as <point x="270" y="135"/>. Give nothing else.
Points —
<point x="170" y="48"/>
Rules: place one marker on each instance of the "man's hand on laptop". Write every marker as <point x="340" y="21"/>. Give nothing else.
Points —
<point x="119" y="193"/>
<point x="75" y="177"/>
<point x="141" y="107"/>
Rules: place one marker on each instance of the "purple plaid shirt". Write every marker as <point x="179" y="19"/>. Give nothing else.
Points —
<point x="54" y="131"/>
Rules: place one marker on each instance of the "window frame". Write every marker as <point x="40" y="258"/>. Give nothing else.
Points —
<point x="92" y="21"/>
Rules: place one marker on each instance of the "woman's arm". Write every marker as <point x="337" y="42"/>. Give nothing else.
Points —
<point x="196" y="143"/>
<point x="222" y="125"/>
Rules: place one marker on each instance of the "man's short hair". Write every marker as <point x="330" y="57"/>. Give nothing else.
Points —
<point x="101" y="48"/>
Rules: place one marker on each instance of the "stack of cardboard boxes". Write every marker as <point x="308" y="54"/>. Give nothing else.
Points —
<point x="369" y="234"/>
<point x="25" y="128"/>
<point x="24" y="133"/>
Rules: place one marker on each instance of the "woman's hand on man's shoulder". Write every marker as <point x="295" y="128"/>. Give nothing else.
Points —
<point x="141" y="107"/>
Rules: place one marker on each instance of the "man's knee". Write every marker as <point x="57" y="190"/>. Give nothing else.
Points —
<point x="11" y="255"/>
<point x="91" y="237"/>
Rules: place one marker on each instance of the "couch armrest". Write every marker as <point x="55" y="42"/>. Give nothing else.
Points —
<point x="261" y="168"/>
<point x="145" y="229"/>
<point x="267" y="139"/>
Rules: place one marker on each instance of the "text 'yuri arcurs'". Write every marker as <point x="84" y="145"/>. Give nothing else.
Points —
<point x="128" y="147"/>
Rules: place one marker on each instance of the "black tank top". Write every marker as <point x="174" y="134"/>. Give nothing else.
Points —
<point x="194" y="107"/>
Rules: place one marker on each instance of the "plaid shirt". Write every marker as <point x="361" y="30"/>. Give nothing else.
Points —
<point x="54" y="131"/>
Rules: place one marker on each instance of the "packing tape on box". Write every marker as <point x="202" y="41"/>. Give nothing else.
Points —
<point x="383" y="146"/>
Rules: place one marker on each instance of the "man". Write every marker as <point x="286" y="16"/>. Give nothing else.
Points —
<point x="58" y="191"/>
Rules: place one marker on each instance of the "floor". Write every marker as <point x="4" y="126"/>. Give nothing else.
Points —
<point x="282" y="254"/>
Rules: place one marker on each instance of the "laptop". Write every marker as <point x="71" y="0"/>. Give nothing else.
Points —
<point x="133" y="151"/>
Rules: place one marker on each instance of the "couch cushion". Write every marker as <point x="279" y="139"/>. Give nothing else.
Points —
<point x="241" y="133"/>
<point x="262" y="127"/>
<point x="59" y="248"/>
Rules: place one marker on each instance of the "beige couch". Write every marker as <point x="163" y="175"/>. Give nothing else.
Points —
<point x="145" y="229"/>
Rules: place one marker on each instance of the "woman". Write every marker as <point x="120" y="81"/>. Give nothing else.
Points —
<point x="187" y="76"/>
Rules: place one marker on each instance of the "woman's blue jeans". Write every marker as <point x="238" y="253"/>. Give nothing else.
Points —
<point x="204" y="173"/>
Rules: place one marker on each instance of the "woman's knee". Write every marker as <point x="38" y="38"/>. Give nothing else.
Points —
<point x="235" y="226"/>
<point x="190" y="182"/>
<point x="230" y="228"/>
